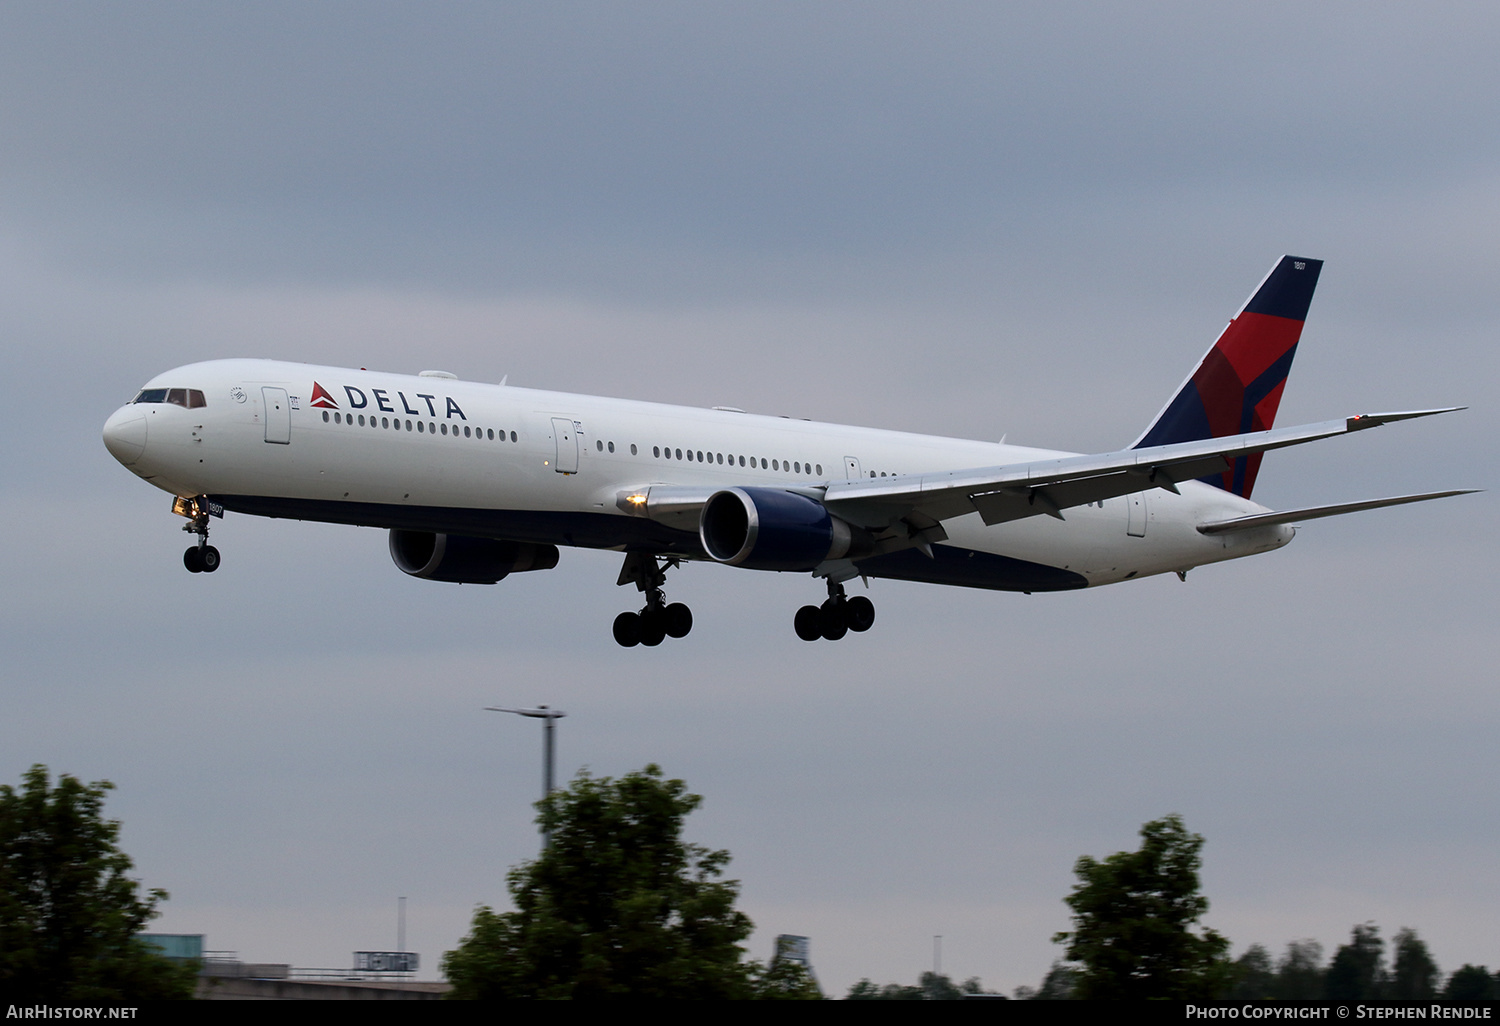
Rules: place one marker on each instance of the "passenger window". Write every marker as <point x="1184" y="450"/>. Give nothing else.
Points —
<point x="611" y="446"/>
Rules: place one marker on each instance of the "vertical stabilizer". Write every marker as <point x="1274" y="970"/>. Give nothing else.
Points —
<point x="1237" y="386"/>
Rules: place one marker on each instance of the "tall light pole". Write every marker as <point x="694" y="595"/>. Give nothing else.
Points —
<point x="549" y="754"/>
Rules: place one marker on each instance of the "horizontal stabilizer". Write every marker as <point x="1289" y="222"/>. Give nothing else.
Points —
<point x="1314" y="512"/>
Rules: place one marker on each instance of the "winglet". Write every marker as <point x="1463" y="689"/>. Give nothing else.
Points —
<point x="1237" y="386"/>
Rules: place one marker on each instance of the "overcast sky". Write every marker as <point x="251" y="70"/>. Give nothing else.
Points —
<point x="966" y="219"/>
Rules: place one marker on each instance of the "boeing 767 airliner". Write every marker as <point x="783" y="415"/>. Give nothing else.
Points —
<point x="477" y="481"/>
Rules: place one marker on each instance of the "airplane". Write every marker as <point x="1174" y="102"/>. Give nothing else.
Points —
<point x="476" y="481"/>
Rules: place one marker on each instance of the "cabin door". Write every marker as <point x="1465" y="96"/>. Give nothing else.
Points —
<point x="1135" y="505"/>
<point x="566" y="437"/>
<point x="278" y="411"/>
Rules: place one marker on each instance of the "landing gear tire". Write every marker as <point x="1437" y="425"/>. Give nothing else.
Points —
<point x="835" y="624"/>
<point x="653" y="627"/>
<point x="208" y="558"/>
<point x="836" y="617"/>
<point x="628" y="629"/>
<point x="809" y="623"/>
<point x="859" y="613"/>
<point x="679" y="620"/>
<point x="658" y="621"/>
<point x="193" y="560"/>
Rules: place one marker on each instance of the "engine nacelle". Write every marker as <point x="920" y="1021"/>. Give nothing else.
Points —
<point x="459" y="559"/>
<point x="772" y="529"/>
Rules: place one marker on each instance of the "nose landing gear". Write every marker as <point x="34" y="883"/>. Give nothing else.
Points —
<point x="201" y="558"/>
<point x="657" y="621"/>
<point x="836" y="617"/>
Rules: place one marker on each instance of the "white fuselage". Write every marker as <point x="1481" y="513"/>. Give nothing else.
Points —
<point x="444" y="455"/>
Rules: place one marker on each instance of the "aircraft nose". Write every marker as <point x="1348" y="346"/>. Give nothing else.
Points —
<point x="125" y="434"/>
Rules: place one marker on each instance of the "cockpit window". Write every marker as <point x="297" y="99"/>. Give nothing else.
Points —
<point x="192" y="398"/>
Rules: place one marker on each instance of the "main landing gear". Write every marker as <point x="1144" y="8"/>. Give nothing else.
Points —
<point x="658" y="621"/>
<point x="202" y="558"/>
<point x="835" y="617"/>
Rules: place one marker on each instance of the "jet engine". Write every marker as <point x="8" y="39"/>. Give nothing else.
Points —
<point x="459" y="559"/>
<point x="772" y="529"/>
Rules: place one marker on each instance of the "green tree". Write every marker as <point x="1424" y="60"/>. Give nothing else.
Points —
<point x="1133" y="915"/>
<point x="930" y="987"/>
<point x="1299" y="972"/>
<point x="1060" y="983"/>
<point x="68" y="913"/>
<point x="1470" y="983"/>
<point x="1357" y="972"/>
<point x="1254" y="976"/>
<point x="864" y="990"/>
<point x="1415" y="975"/>
<point x="618" y="906"/>
<point x="937" y="987"/>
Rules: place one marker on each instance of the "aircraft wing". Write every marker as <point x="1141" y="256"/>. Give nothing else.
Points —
<point x="1014" y="492"/>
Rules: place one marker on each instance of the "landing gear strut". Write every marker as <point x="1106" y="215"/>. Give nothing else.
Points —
<point x="202" y="558"/>
<point x="836" y="617"/>
<point x="657" y="621"/>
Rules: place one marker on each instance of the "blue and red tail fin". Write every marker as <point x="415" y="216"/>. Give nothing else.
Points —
<point x="1237" y="387"/>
